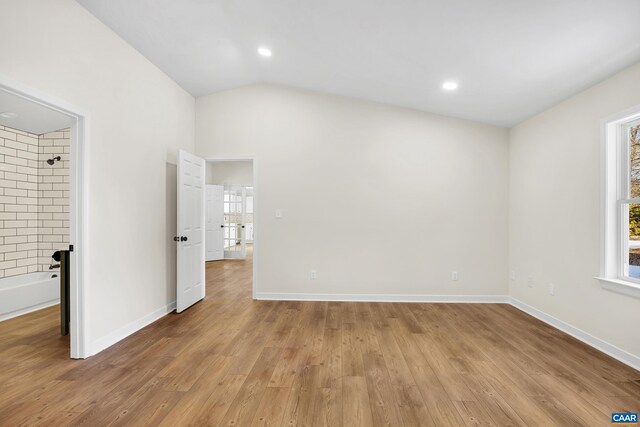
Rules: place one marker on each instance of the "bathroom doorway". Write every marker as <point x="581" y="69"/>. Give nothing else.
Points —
<point x="42" y="169"/>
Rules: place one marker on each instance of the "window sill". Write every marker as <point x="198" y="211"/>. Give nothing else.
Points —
<point x="620" y="286"/>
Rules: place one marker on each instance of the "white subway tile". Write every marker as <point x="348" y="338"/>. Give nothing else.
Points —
<point x="15" y="239"/>
<point x="6" y="183"/>
<point x="8" y="199"/>
<point x="27" y="215"/>
<point x="15" y="192"/>
<point x="15" y="208"/>
<point x="15" y="176"/>
<point x="7" y="167"/>
<point x="16" y="145"/>
<point x="15" y="161"/>
<point x="27" y="185"/>
<point x="7" y="135"/>
<point x="15" y="224"/>
<point x="7" y="151"/>
<point x="28" y="139"/>
<point x="26" y="261"/>
<point x="16" y="271"/>
<point x="54" y="135"/>
<point x="7" y="232"/>
<point x="7" y="264"/>
<point x="7" y="248"/>
<point x="28" y="231"/>
<point x="28" y="171"/>
<point x="28" y="155"/>
<point x="27" y="246"/>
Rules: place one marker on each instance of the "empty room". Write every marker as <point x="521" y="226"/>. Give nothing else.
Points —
<point x="319" y="213"/>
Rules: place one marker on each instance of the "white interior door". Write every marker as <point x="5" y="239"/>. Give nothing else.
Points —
<point x="215" y="223"/>
<point x="235" y="244"/>
<point x="191" y="231"/>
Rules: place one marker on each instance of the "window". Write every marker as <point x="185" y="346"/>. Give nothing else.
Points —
<point x="620" y="268"/>
<point x="629" y="203"/>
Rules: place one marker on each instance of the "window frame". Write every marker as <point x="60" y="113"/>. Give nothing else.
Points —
<point x="615" y="198"/>
<point x="625" y="199"/>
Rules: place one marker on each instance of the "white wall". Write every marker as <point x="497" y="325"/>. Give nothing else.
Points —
<point x="346" y="174"/>
<point x="230" y="172"/>
<point x="139" y="118"/>
<point x="555" y="213"/>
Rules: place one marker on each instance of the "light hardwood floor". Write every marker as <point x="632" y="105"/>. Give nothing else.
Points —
<point x="236" y="362"/>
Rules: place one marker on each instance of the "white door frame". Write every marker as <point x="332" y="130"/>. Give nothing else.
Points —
<point x="254" y="284"/>
<point x="79" y="208"/>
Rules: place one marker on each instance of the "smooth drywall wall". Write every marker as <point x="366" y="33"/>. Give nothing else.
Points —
<point x="376" y="199"/>
<point x="230" y="172"/>
<point x="139" y="119"/>
<point x="555" y="213"/>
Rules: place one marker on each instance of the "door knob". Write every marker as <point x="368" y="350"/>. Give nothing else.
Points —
<point x="222" y="226"/>
<point x="183" y="238"/>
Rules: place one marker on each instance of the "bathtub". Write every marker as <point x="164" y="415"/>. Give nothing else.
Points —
<point x="28" y="292"/>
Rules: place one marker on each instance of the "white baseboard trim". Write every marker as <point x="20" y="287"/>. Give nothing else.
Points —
<point x="27" y="310"/>
<point x="383" y="298"/>
<point x="129" y="329"/>
<point x="597" y="343"/>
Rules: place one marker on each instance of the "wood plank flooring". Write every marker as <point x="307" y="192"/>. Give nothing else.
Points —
<point x="233" y="361"/>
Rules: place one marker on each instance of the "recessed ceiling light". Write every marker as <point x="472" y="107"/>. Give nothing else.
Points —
<point x="263" y="51"/>
<point x="450" y="85"/>
<point x="8" y="115"/>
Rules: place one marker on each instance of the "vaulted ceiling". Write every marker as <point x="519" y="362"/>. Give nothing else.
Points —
<point x="511" y="58"/>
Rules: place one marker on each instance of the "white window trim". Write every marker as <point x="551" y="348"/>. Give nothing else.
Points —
<point x="613" y="140"/>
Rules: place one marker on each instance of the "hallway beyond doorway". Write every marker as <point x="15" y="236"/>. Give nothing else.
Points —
<point x="230" y="278"/>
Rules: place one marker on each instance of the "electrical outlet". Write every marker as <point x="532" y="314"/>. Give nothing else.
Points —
<point x="513" y="275"/>
<point x="552" y="289"/>
<point x="530" y="282"/>
<point x="454" y="276"/>
<point x="313" y="275"/>
<point x="278" y="213"/>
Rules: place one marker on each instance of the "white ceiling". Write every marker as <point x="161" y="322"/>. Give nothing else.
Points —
<point x="512" y="58"/>
<point x="32" y="117"/>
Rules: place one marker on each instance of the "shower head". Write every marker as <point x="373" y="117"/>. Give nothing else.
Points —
<point x="52" y="161"/>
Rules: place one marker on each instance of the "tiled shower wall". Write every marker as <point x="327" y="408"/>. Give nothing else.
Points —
<point x="18" y="202"/>
<point x="53" y="196"/>
<point x="34" y="200"/>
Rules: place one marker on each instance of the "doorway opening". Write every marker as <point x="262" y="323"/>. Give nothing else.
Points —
<point x="230" y="226"/>
<point x="43" y="241"/>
